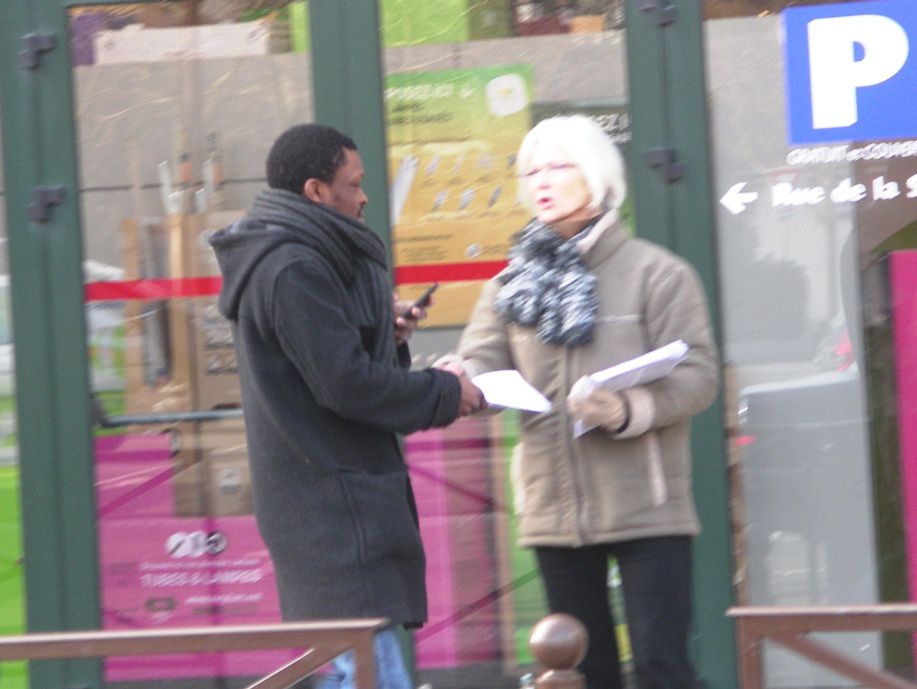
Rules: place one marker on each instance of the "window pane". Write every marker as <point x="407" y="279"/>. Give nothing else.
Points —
<point x="464" y="82"/>
<point x="177" y="104"/>
<point x="806" y="229"/>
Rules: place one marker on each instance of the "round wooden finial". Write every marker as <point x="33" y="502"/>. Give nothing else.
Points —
<point x="559" y="642"/>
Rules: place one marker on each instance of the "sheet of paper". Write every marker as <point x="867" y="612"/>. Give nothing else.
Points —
<point x="509" y="389"/>
<point x="637" y="371"/>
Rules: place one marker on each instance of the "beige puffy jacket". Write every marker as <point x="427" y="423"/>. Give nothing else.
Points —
<point x="604" y="487"/>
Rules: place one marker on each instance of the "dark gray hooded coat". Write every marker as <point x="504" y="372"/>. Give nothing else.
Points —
<point x="325" y="393"/>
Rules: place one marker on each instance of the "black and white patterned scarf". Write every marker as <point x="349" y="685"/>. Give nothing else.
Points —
<point x="547" y="285"/>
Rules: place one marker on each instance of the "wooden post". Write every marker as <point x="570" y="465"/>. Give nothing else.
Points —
<point x="559" y="644"/>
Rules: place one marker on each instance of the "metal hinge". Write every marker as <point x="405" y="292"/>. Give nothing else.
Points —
<point x="663" y="159"/>
<point x="35" y="45"/>
<point x="665" y="13"/>
<point x="43" y="199"/>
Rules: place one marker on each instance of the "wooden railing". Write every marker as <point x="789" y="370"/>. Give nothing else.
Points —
<point x="558" y="643"/>
<point x="788" y="627"/>
<point x="324" y="641"/>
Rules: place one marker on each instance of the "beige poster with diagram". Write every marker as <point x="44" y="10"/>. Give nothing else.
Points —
<point x="453" y="137"/>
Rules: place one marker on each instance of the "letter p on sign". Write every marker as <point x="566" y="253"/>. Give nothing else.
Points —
<point x="850" y="73"/>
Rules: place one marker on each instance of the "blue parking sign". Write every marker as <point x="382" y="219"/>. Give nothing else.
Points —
<point x="851" y="72"/>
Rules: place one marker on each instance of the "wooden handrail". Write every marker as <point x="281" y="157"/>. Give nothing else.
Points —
<point x="788" y="627"/>
<point x="325" y="640"/>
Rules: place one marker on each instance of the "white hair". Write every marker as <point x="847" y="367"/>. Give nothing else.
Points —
<point x="586" y="145"/>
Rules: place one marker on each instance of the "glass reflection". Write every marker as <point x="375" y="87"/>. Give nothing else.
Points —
<point x="805" y="233"/>
<point x="176" y="105"/>
<point x="462" y="89"/>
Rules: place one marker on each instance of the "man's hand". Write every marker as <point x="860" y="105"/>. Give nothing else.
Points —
<point x="472" y="399"/>
<point x="405" y="325"/>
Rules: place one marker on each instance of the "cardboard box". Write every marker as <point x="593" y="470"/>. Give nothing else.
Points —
<point x="217" y="481"/>
<point x="179" y="357"/>
<point x="214" y="374"/>
<point x="224" y="453"/>
<point x="153" y="385"/>
<point x="590" y="23"/>
<point x="179" y="354"/>
<point x="138" y="43"/>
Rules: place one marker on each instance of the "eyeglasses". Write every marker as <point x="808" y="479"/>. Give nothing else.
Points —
<point x="551" y="168"/>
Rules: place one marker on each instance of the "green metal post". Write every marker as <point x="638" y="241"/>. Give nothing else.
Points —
<point x="48" y="323"/>
<point x="695" y="239"/>
<point x="647" y="85"/>
<point x="670" y="112"/>
<point x="348" y="87"/>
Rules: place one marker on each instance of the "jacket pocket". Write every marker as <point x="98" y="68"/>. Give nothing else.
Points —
<point x="385" y="525"/>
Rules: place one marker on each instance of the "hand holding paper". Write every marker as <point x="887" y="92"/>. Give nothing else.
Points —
<point x="637" y="371"/>
<point x="595" y="406"/>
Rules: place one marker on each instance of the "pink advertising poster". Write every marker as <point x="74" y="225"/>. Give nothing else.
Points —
<point x="163" y="570"/>
<point x="159" y="570"/>
<point x="450" y="473"/>
<point x="902" y="269"/>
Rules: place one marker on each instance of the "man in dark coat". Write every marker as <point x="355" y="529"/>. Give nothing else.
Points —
<point x="326" y="388"/>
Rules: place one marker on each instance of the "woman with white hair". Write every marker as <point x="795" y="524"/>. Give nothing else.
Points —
<point x="579" y="295"/>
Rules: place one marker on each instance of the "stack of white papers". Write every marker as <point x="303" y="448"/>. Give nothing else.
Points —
<point x="637" y="371"/>
<point x="510" y="389"/>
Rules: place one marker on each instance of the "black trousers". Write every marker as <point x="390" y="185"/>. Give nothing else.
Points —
<point x="656" y="582"/>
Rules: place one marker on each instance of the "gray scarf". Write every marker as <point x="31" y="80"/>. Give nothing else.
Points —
<point x="338" y="237"/>
<point x="352" y="249"/>
<point x="547" y="286"/>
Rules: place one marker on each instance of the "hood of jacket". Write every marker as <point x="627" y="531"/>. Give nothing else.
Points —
<point x="278" y="217"/>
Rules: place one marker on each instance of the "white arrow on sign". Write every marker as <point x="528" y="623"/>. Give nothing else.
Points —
<point x="735" y="199"/>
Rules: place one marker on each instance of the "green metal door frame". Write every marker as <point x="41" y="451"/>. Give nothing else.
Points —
<point x="347" y="87"/>
<point x="52" y="384"/>
<point x="668" y="111"/>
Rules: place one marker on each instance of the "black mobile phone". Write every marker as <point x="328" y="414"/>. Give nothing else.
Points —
<point x="422" y="301"/>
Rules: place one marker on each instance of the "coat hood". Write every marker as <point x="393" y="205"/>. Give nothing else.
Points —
<point x="239" y="248"/>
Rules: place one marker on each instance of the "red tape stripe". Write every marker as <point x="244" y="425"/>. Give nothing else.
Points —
<point x="177" y="288"/>
<point x="153" y="290"/>
<point x="447" y="272"/>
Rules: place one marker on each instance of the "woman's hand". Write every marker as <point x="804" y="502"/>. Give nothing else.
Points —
<point x="595" y="406"/>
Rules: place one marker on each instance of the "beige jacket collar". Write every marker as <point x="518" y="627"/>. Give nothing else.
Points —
<point x="603" y="239"/>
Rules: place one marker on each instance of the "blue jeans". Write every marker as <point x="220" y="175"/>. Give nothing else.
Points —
<point x="391" y="672"/>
